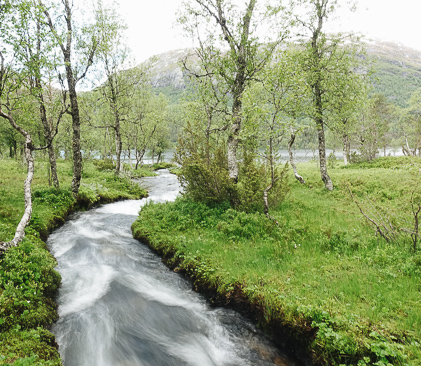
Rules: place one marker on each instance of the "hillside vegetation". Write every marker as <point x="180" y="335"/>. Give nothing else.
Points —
<point x="397" y="70"/>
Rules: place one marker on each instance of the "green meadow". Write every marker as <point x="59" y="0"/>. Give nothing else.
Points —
<point x="28" y="281"/>
<point x="340" y="291"/>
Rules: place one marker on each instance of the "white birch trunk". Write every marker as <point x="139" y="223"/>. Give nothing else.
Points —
<point x="26" y="218"/>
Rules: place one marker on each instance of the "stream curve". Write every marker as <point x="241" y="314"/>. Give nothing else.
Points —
<point x="120" y="306"/>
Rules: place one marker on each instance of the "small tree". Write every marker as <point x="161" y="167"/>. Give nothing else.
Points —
<point x="372" y="129"/>
<point x="118" y="91"/>
<point x="9" y="86"/>
<point x="410" y="126"/>
<point x="326" y="64"/>
<point x="13" y="78"/>
<point x="219" y="24"/>
<point x="146" y="124"/>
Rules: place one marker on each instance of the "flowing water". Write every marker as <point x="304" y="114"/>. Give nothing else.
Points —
<point x="120" y="306"/>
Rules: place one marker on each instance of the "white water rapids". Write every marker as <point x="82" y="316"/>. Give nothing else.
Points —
<point x="120" y="306"/>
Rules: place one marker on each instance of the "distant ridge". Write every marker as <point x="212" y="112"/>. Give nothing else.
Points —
<point x="397" y="71"/>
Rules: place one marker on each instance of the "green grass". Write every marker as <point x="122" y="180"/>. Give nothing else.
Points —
<point x="28" y="281"/>
<point x="322" y="268"/>
<point x="163" y="165"/>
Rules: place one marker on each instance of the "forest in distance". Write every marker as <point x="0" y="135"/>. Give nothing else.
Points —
<point x="327" y="251"/>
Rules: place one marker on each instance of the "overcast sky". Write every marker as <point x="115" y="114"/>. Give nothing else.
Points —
<point x="151" y="24"/>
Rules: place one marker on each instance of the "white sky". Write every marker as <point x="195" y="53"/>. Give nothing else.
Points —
<point x="151" y="23"/>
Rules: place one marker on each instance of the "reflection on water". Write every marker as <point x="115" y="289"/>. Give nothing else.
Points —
<point x="120" y="306"/>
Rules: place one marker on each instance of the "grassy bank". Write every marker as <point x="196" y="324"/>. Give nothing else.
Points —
<point x="322" y="279"/>
<point x="28" y="281"/>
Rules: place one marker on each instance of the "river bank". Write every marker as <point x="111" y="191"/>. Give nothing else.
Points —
<point x="28" y="279"/>
<point x="120" y="305"/>
<point x="322" y="282"/>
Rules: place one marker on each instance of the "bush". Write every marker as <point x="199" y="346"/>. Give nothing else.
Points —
<point x="206" y="180"/>
<point x="106" y="164"/>
<point x="162" y="165"/>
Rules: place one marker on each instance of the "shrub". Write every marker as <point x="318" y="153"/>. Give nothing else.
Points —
<point x="106" y="164"/>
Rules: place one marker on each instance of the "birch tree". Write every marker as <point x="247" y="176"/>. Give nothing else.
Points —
<point x="410" y="126"/>
<point x="123" y="80"/>
<point x="35" y="49"/>
<point x="326" y="63"/>
<point x="9" y="87"/>
<point x="220" y="25"/>
<point x="13" y="79"/>
<point x="70" y="38"/>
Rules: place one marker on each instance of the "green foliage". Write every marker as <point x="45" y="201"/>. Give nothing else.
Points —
<point x="172" y="93"/>
<point x="35" y="347"/>
<point x="332" y="160"/>
<point x="28" y="281"/>
<point x="162" y="165"/>
<point x="396" y="76"/>
<point x="204" y="175"/>
<point x="250" y="185"/>
<point x="106" y="164"/>
<point x="397" y="163"/>
<point x="371" y="132"/>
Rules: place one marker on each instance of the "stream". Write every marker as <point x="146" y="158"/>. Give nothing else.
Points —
<point x="119" y="305"/>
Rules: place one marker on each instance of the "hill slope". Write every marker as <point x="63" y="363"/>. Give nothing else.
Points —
<point x="397" y="71"/>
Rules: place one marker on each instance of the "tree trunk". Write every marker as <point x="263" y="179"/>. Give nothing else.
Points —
<point x="26" y="218"/>
<point x="322" y="156"/>
<point x="321" y="137"/>
<point x="240" y="51"/>
<point x="317" y="95"/>
<point x="291" y="159"/>
<point x="266" y="202"/>
<point x="129" y="155"/>
<point x="77" y="155"/>
<point x="139" y="157"/>
<point x="347" y="149"/>
<point x="53" y="166"/>
<point x="117" y="146"/>
<point x="271" y="159"/>
<point x="233" y="140"/>
<point x="48" y="134"/>
<point x="207" y="136"/>
<point x="104" y="154"/>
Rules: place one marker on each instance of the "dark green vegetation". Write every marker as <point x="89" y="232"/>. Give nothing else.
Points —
<point x="28" y="281"/>
<point x="339" y="291"/>
<point x="397" y="71"/>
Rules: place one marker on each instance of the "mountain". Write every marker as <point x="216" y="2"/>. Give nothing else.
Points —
<point x="397" y="71"/>
<point x="168" y="76"/>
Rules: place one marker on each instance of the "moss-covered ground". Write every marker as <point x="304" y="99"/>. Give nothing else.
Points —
<point x="334" y="286"/>
<point x="28" y="281"/>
